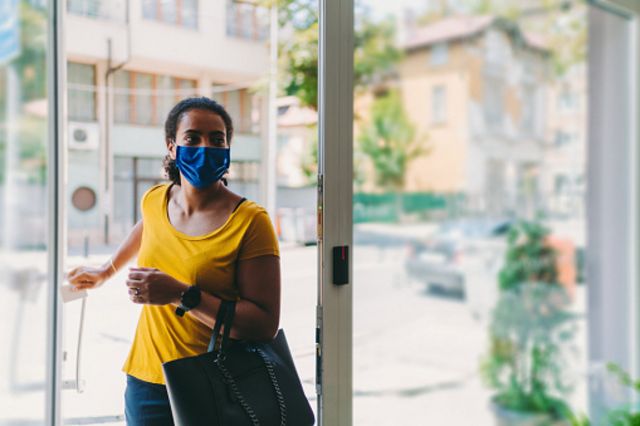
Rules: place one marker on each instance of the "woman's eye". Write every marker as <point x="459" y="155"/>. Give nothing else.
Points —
<point x="218" y="141"/>
<point x="191" y="139"/>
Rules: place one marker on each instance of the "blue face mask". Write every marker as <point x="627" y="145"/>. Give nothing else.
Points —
<point x="202" y="166"/>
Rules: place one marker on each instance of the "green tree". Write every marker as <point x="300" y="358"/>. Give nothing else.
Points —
<point x="30" y="66"/>
<point x="375" y="53"/>
<point x="390" y="141"/>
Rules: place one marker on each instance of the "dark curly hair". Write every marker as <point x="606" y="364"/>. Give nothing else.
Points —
<point x="171" y="128"/>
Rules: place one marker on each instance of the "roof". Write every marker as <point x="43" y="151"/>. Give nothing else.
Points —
<point x="459" y="27"/>
<point x="448" y="29"/>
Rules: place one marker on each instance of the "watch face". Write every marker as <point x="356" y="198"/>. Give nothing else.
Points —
<point x="191" y="297"/>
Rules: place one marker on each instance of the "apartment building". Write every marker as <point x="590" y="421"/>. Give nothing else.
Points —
<point x="565" y="155"/>
<point x="129" y="62"/>
<point x="477" y="87"/>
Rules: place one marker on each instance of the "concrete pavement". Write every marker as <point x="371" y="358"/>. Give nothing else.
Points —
<point x="415" y="355"/>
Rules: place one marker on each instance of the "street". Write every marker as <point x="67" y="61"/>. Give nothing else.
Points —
<point x="416" y="355"/>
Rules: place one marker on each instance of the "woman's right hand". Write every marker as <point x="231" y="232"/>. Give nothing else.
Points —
<point x="88" y="277"/>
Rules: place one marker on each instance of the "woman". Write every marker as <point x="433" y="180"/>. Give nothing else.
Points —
<point x="197" y="244"/>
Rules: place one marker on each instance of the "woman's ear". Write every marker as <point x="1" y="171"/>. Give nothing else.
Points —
<point x="171" y="147"/>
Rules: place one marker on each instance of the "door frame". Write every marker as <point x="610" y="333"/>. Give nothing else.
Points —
<point x="56" y="186"/>
<point x="334" y="332"/>
<point x="613" y="214"/>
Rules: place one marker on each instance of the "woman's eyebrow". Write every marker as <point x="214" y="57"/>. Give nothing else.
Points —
<point x="217" y="133"/>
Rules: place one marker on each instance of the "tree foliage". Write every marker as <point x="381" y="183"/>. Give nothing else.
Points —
<point x="375" y="53"/>
<point x="390" y="141"/>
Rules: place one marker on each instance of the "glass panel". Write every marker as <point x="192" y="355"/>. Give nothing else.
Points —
<point x="166" y="95"/>
<point x="144" y="98"/>
<point x="122" y="99"/>
<point x="168" y="11"/>
<point x="190" y="14"/>
<point x="82" y="94"/>
<point x="247" y="20"/>
<point x="186" y="88"/>
<point x="114" y="10"/>
<point x="150" y="9"/>
<point x="231" y="101"/>
<point x="462" y="217"/>
<point x="24" y="217"/>
<point x="130" y="130"/>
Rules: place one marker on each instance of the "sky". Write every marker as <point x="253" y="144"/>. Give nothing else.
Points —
<point x="381" y="8"/>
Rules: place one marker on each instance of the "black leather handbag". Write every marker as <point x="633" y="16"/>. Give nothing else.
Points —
<point x="237" y="383"/>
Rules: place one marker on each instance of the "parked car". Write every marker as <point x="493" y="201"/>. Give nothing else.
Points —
<point x="458" y="253"/>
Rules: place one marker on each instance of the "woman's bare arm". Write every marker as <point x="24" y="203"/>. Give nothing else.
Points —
<point x="84" y="277"/>
<point x="257" y="310"/>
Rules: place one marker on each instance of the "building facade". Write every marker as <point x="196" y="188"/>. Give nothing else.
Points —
<point x="477" y="87"/>
<point x="128" y="63"/>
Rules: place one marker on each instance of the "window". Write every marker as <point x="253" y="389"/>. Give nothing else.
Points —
<point x="567" y="101"/>
<point x="563" y="138"/>
<point x="561" y="183"/>
<point x="247" y="20"/>
<point x="122" y="105"/>
<point x="497" y="49"/>
<point x="493" y="101"/>
<point x="439" y="104"/>
<point x="439" y="54"/>
<point x="166" y="95"/>
<point x="146" y="99"/>
<point x="114" y="10"/>
<point x="240" y="106"/>
<point x="82" y="93"/>
<point x="244" y="171"/>
<point x="175" y="12"/>
<point x="529" y="106"/>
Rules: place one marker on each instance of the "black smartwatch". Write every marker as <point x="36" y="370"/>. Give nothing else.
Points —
<point x="189" y="299"/>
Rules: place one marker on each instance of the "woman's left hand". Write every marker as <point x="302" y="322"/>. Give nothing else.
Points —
<point x="151" y="286"/>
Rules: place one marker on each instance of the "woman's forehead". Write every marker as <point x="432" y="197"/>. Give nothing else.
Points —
<point x="199" y="119"/>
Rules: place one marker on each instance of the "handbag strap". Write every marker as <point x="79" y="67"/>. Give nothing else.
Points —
<point x="228" y="324"/>
<point x="224" y="317"/>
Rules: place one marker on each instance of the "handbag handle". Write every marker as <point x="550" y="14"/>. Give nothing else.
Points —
<point x="225" y="316"/>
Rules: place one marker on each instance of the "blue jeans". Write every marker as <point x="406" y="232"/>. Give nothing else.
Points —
<point x="146" y="404"/>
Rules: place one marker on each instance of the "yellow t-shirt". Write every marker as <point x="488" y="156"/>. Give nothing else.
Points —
<point x="207" y="260"/>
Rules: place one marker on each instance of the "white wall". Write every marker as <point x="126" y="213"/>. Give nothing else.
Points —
<point x="171" y="49"/>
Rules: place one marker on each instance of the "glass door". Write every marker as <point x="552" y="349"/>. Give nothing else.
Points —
<point x="27" y="281"/>
<point x="494" y="213"/>
<point x="129" y="63"/>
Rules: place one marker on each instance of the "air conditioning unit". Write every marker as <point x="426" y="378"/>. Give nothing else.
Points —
<point x="83" y="136"/>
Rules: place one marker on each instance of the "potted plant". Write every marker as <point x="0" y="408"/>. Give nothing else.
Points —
<point x="624" y="415"/>
<point x="531" y="328"/>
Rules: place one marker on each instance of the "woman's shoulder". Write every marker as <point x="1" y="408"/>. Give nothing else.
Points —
<point x="250" y="209"/>
<point x="154" y="195"/>
<point x="157" y="189"/>
<point x="259" y="236"/>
